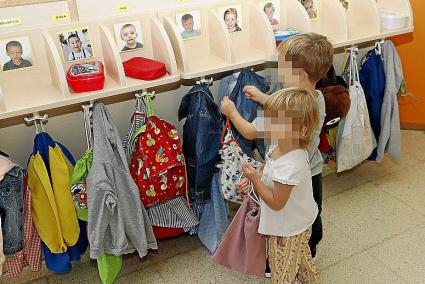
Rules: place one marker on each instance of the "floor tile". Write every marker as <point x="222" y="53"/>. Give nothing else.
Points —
<point x="27" y="276"/>
<point x="80" y="273"/>
<point x="335" y="246"/>
<point x="337" y="183"/>
<point x="146" y="276"/>
<point x="413" y="142"/>
<point x="371" y="170"/>
<point x="407" y="185"/>
<point x="404" y="255"/>
<point x="181" y="270"/>
<point x="361" y="268"/>
<point x="369" y="215"/>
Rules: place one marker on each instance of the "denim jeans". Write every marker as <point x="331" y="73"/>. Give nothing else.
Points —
<point x="201" y="140"/>
<point x="12" y="211"/>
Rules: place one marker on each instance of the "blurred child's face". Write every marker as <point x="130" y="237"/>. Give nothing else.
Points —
<point x="289" y="74"/>
<point x="283" y="127"/>
<point x="231" y="21"/>
<point x="15" y="53"/>
<point x="129" y="35"/>
<point x="75" y="44"/>
<point x="309" y="7"/>
<point x="269" y="12"/>
<point x="188" y="25"/>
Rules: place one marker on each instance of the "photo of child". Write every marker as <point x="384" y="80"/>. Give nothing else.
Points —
<point x="15" y="54"/>
<point x="345" y="3"/>
<point x="272" y="10"/>
<point x="189" y="24"/>
<point x="76" y="45"/>
<point x="311" y="7"/>
<point x="231" y="16"/>
<point x="128" y="36"/>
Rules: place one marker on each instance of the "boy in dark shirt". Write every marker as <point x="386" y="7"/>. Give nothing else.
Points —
<point x="14" y="51"/>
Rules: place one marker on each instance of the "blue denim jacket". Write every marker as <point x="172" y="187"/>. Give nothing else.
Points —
<point x="201" y="140"/>
<point x="12" y="211"/>
<point x="247" y="108"/>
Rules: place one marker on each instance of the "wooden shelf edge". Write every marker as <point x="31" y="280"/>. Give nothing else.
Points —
<point x="385" y="34"/>
<point x="91" y="96"/>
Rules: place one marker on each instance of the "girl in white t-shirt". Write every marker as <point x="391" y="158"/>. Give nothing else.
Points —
<point x="288" y="208"/>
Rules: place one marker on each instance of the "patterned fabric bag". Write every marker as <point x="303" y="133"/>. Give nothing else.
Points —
<point x="232" y="157"/>
<point x="356" y="140"/>
<point x="158" y="165"/>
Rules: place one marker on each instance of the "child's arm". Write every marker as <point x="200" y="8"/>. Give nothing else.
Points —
<point x="244" y="127"/>
<point x="253" y="93"/>
<point x="275" y="197"/>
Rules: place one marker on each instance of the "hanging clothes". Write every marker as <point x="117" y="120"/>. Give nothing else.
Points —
<point x="390" y="137"/>
<point x="2" y="257"/>
<point x="246" y="107"/>
<point x="31" y="254"/>
<point x="172" y="217"/>
<point x="49" y="174"/>
<point x="12" y="209"/>
<point x="215" y="217"/>
<point x="372" y="79"/>
<point x="201" y="140"/>
<point x="78" y="184"/>
<point x="117" y="223"/>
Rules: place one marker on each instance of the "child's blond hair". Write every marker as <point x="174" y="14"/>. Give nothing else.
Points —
<point x="311" y="52"/>
<point x="300" y="102"/>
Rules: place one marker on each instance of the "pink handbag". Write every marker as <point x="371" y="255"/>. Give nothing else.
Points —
<point x="242" y="248"/>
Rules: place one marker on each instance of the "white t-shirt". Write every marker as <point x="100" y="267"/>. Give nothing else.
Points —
<point x="315" y="157"/>
<point x="300" y="210"/>
<point x="84" y="53"/>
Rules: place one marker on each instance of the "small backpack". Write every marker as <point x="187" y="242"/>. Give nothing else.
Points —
<point x="158" y="165"/>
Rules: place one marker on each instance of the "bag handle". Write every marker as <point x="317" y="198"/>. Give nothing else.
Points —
<point x="251" y="192"/>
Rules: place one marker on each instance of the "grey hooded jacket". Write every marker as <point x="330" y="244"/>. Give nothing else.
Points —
<point x="390" y="137"/>
<point x="117" y="222"/>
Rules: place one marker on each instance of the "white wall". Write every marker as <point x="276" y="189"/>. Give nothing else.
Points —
<point x="68" y="129"/>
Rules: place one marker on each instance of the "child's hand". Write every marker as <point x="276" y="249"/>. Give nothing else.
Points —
<point x="243" y="186"/>
<point x="227" y="106"/>
<point x="253" y="93"/>
<point x="250" y="173"/>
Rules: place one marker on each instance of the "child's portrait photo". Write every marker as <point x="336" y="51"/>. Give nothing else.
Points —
<point x="76" y="45"/>
<point x="345" y="4"/>
<point x="189" y="24"/>
<point x="232" y="17"/>
<point x="311" y="6"/>
<point x="128" y="36"/>
<point x="272" y="10"/>
<point x="16" y="53"/>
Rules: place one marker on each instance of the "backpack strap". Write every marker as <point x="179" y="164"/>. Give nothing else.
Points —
<point x="148" y="103"/>
<point x="226" y="129"/>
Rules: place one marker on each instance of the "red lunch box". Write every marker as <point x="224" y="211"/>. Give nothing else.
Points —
<point x="144" y="68"/>
<point x="86" y="77"/>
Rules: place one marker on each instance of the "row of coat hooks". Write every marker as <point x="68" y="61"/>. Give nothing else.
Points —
<point x="38" y="119"/>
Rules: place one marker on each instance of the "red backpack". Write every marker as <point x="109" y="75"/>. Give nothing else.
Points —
<point x="157" y="164"/>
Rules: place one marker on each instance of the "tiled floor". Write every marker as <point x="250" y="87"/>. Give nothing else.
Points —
<point x="374" y="232"/>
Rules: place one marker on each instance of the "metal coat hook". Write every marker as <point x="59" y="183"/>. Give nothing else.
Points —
<point x="37" y="118"/>
<point x="204" y="81"/>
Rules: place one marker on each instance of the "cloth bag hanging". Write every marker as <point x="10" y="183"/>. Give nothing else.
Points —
<point x="356" y="140"/>
<point x="232" y="156"/>
<point x="242" y="248"/>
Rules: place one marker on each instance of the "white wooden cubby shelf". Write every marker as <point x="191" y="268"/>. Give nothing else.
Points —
<point x="217" y="50"/>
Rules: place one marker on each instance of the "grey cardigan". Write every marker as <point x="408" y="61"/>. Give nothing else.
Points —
<point x="390" y="137"/>
<point x="117" y="222"/>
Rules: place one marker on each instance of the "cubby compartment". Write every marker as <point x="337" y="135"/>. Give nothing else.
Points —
<point x="203" y="54"/>
<point x="27" y="88"/>
<point x="402" y="11"/>
<point x="94" y="46"/>
<point x="254" y="43"/>
<point x="332" y="20"/>
<point x="151" y="42"/>
<point x="363" y="21"/>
